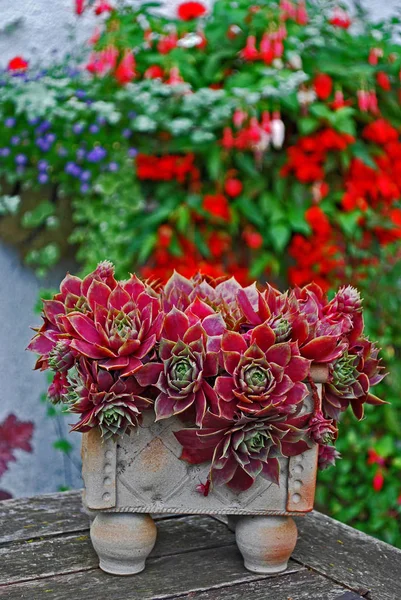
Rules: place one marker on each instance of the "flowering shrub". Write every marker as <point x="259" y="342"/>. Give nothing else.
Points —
<point x="230" y="361"/>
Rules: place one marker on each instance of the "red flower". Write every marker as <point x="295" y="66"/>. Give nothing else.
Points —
<point x="191" y="10"/>
<point x="323" y="85"/>
<point x="154" y="72"/>
<point x="317" y="220"/>
<point x="233" y="187"/>
<point x="378" y="481"/>
<point x="125" y="71"/>
<point x="380" y="132"/>
<point x="250" y="52"/>
<point x="253" y="239"/>
<point x="383" y="81"/>
<point x="79" y="7"/>
<point x="102" y="7"/>
<point x="340" y="18"/>
<point x="217" y="205"/>
<point x="18" y="64"/>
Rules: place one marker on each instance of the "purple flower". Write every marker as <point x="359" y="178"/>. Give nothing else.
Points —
<point x="72" y="169"/>
<point x="10" y="122"/>
<point x="43" y="178"/>
<point x="78" y="128"/>
<point x="80" y="94"/>
<point x="94" y="128"/>
<point x="80" y="154"/>
<point x="132" y="152"/>
<point x="15" y="140"/>
<point x="50" y="138"/>
<point x="85" y="175"/>
<point x="43" y="145"/>
<point x="44" y="126"/>
<point x="96" y="155"/>
<point x="131" y="114"/>
<point x="33" y="121"/>
<point x="113" y="167"/>
<point x="43" y="165"/>
<point x="101" y="120"/>
<point x="127" y="133"/>
<point x="4" y="152"/>
<point x="84" y="188"/>
<point x="21" y="159"/>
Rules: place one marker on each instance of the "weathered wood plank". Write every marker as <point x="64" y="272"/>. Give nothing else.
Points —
<point x="303" y="585"/>
<point x="351" y="557"/>
<point x="41" y="516"/>
<point x="44" y="516"/>
<point x="67" y="554"/>
<point x="164" y="577"/>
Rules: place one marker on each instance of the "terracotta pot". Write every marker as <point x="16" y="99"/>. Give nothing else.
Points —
<point x="142" y="474"/>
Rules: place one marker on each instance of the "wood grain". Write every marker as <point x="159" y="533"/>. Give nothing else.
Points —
<point x="303" y="585"/>
<point x="351" y="557"/>
<point x="164" y="577"/>
<point x="42" y="516"/>
<point x="36" y="559"/>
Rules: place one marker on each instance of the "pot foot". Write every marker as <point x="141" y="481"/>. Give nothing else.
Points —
<point x="266" y="543"/>
<point x="123" y="541"/>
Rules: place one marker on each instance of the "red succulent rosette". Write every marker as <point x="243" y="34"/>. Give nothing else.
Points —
<point x="116" y="323"/>
<point x="261" y="374"/>
<point x="188" y="356"/>
<point x="106" y="400"/>
<point x="244" y="448"/>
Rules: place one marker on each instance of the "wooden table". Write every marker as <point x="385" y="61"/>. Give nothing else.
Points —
<point x="45" y="553"/>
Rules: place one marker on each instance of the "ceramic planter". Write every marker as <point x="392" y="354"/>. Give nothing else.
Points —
<point x="141" y="474"/>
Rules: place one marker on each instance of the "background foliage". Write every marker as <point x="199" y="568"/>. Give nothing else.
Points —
<point x="262" y="141"/>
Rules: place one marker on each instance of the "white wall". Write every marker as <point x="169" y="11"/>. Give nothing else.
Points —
<point x="38" y="28"/>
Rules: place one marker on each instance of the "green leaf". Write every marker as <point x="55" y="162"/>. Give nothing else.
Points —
<point x="361" y="151"/>
<point x="308" y="125"/>
<point x="38" y="215"/>
<point x="63" y="445"/>
<point x="280" y="234"/>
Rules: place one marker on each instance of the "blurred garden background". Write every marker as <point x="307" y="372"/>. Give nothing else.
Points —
<point x="260" y="140"/>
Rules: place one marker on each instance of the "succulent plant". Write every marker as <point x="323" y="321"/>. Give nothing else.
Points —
<point x="230" y="361"/>
<point x="350" y="378"/>
<point x="61" y="357"/>
<point x="327" y="456"/>
<point x="322" y="430"/>
<point x="261" y="374"/>
<point x="242" y="449"/>
<point x="58" y="388"/>
<point x="186" y="361"/>
<point x="106" y="400"/>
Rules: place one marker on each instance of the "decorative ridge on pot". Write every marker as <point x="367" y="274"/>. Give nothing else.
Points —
<point x="234" y="392"/>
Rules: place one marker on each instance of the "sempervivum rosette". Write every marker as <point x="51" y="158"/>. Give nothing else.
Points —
<point x="105" y="399"/>
<point x="72" y="297"/>
<point x="261" y="374"/>
<point x="189" y="356"/>
<point x="350" y="378"/>
<point x="117" y="323"/>
<point x="243" y="448"/>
